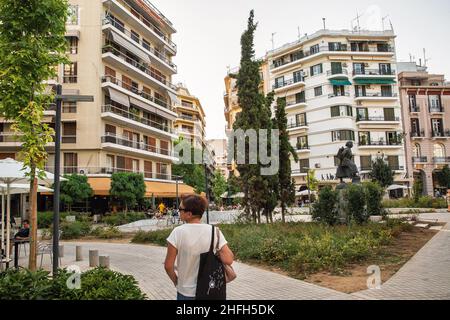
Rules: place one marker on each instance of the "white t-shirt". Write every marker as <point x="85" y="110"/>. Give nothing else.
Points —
<point x="191" y="240"/>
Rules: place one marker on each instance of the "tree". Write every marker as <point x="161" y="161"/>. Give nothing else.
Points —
<point x="324" y="209"/>
<point x="382" y="173"/>
<point x="443" y="177"/>
<point x="374" y="196"/>
<point x="417" y="189"/>
<point x="76" y="189"/>
<point x="286" y="183"/>
<point x="128" y="187"/>
<point x="255" y="115"/>
<point x="32" y="44"/>
<point x="356" y="203"/>
<point x="219" y="186"/>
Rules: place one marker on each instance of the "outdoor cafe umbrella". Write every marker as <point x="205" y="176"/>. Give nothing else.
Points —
<point x="12" y="172"/>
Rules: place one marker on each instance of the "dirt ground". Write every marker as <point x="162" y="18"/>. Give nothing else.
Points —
<point x="393" y="257"/>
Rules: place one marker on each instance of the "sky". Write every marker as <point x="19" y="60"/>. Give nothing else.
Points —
<point x="209" y="31"/>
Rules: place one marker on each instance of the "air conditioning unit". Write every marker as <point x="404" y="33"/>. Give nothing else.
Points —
<point x="83" y="171"/>
<point x="305" y="73"/>
<point x="344" y="64"/>
<point x="366" y="64"/>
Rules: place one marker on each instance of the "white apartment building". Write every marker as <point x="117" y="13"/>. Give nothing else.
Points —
<point x="340" y="86"/>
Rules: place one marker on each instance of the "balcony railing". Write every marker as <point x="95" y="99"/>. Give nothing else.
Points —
<point x="10" y="137"/>
<point x="298" y="124"/>
<point x="379" y="143"/>
<point x="300" y="146"/>
<point x="112" y="21"/>
<point x="372" y="49"/>
<point x="360" y="118"/>
<point x="334" y="72"/>
<point x="414" y="108"/>
<point x="436" y="109"/>
<point x="377" y="95"/>
<point x="69" y="139"/>
<point x="130" y="88"/>
<point x="112" y="138"/>
<point x="437" y="134"/>
<point x="70" y="79"/>
<point x="107" y="171"/>
<point x="128" y="115"/>
<point x="333" y="95"/>
<point x="396" y="167"/>
<point x="152" y="26"/>
<point x="418" y="134"/>
<point x="419" y="159"/>
<point x="317" y="50"/>
<point x="374" y="72"/>
<point x="288" y="82"/>
<point x="141" y="66"/>
<point x="441" y="159"/>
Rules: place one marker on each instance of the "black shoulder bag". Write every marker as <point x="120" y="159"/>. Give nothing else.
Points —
<point x="211" y="283"/>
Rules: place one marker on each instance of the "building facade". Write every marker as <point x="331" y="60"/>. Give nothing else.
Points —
<point x="219" y="148"/>
<point x="425" y="100"/>
<point x="121" y="53"/>
<point x="339" y="86"/>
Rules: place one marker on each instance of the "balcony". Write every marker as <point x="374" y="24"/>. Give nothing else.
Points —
<point x="333" y="95"/>
<point x="140" y="70"/>
<point x="116" y="143"/>
<point x="291" y="105"/>
<point x="374" y="73"/>
<point x="418" y="134"/>
<point x="420" y="159"/>
<point x="161" y="60"/>
<point x="440" y="134"/>
<point x="299" y="125"/>
<point x="124" y="117"/>
<point x="377" y="96"/>
<point x="133" y="90"/>
<point x="414" y="108"/>
<point x="441" y="159"/>
<point x="375" y="120"/>
<point x="289" y="84"/>
<point x="337" y="74"/>
<point x="299" y="172"/>
<point x="397" y="168"/>
<point x="379" y="144"/>
<point x="436" y="109"/>
<point x="13" y="140"/>
<point x="69" y="139"/>
<point x="302" y="148"/>
<point x="140" y="23"/>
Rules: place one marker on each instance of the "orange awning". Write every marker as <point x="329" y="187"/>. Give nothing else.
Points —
<point x="101" y="187"/>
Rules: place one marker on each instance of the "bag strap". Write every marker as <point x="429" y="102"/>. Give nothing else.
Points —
<point x="218" y="239"/>
<point x="211" y="248"/>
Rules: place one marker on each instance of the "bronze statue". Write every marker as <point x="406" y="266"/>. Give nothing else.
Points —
<point x="347" y="168"/>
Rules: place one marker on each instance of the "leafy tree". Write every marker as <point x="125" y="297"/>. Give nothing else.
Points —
<point x="443" y="177"/>
<point x="76" y="189"/>
<point x="219" y="186"/>
<point x="382" y="173"/>
<point x="417" y="189"/>
<point x="128" y="187"/>
<point x="255" y="115"/>
<point x="32" y="45"/>
<point x="374" y="196"/>
<point x="286" y="183"/>
<point x="312" y="181"/>
<point x="356" y="202"/>
<point x="324" y="209"/>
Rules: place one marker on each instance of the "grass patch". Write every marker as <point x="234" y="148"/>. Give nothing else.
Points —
<point x="301" y="248"/>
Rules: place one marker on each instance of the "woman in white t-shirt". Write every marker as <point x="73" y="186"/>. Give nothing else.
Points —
<point x="187" y="242"/>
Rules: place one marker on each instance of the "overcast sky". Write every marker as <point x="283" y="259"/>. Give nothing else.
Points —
<point x="208" y="35"/>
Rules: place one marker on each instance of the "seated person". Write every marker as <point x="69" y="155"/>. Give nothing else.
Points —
<point x="24" y="232"/>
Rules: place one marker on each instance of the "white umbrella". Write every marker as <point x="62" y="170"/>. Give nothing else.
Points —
<point x="304" y="193"/>
<point x="396" y="187"/>
<point x="11" y="172"/>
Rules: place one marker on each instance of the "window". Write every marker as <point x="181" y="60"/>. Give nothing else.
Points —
<point x="438" y="150"/>
<point x="339" y="91"/>
<point x="415" y="127"/>
<point x="302" y="143"/>
<point x="135" y="36"/>
<point x="364" y="138"/>
<point x="300" y="97"/>
<point x="383" y="47"/>
<point x="366" y="163"/>
<point x="335" y="46"/>
<point x="161" y="171"/>
<point x="393" y="162"/>
<point x="362" y="114"/>
<point x="146" y="44"/>
<point x="389" y="114"/>
<point x="110" y="130"/>
<point x="315" y="49"/>
<point x="336" y="68"/>
<point x="437" y="128"/>
<point x="70" y="163"/>
<point x="318" y="91"/>
<point x="317" y="69"/>
<point x="343" y="135"/>
<point x="385" y="69"/>
<point x="73" y="18"/>
<point x="341" y="111"/>
<point x="72" y="45"/>
<point x="435" y="103"/>
<point x="148" y="169"/>
<point x="279" y="82"/>
<point x="335" y="111"/>
<point x="277" y="63"/>
<point x="298" y="76"/>
<point x="135" y="165"/>
<point x="300" y="119"/>
<point x="416" y="151"/>
<point x="359" y="68"/>
<point x="416" y="82"/>
<point x="360" y="91"/>
<point x="386" y="91"/>
<point x="164" y="147"/>
<point x="392" y="138"/>
<point x="109" y="163"/>
<point x="69" y="132"/>
<point x="70" y="73"/>
<point x="413" y="103"/>
<point x="69" y="107"/>
<point x="304" y="165"/>
<point x="297" y="55"/>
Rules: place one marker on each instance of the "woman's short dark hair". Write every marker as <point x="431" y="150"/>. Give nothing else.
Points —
<point x="195" y="204"/>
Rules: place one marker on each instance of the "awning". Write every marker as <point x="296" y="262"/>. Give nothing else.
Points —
<point x="72" y="33"/>
<point x="101" y="187"/>
<point x="117" y="38"/>
<point x="173" y="97"/>
<point x="374" y="81"/>
<point x="166" y="115"/>
<point x="119" y="97"/>
<point x="142" y="104"/>
<point x="339" y="82"/>
<point x="396" y="187"/>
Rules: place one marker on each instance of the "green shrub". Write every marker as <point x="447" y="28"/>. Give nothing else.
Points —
<point x="74" y="230"/>
<point x="324" y="210"/>
<point x="96" y="284"/>
<point x="107" y="233"/>
<point x="158" y="237"/>
<point x="374" y="195"/>
<point x="356" y="203"/>
<point x="45" y="219"/>
<point x="122" y="218"/>
<point x="423" y="202"/>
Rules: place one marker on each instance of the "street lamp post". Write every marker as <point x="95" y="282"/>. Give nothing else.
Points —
<point x="207" y="193"/>
<point x="59" y="98"/>
<point x="309" y="189"/>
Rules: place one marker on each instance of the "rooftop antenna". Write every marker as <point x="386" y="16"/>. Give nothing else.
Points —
<point x="273" y="40"/>
<point x="425" y="60"/>
<point x="324" y="23"/>
<point x="358" y="26"/>
<point x="299" y="34"/>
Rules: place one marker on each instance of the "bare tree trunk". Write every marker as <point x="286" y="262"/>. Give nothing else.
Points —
<point x="259" y="215"/>
<point x="283" y="209"/>
<point x="33" y="222"/>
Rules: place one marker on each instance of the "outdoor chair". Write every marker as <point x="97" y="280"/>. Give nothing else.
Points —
<point x="47" y="248"/>
<point x="24" y="246"/>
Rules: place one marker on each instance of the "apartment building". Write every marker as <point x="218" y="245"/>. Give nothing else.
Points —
<point x="339" y="86"/>
<point x="121" y="53"/>
<point x="219" y="147"/>
<point x="425" y="100"/>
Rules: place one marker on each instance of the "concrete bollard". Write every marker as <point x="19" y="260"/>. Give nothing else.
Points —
<point x="93" y="258"/>
<point x="104" y="261"/>
<point x="61" y="251"/>
<point x="79" y="253"/>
